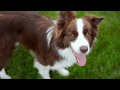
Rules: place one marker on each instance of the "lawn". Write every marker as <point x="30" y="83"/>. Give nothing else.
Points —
<point x="102" y="63"/>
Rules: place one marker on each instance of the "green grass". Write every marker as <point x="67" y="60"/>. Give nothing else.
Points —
<point x="102" y="63"/>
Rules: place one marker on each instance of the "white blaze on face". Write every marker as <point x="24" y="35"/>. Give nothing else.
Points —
<point x="80" y="41"/>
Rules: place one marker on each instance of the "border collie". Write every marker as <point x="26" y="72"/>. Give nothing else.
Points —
<point x="55" y="45"/>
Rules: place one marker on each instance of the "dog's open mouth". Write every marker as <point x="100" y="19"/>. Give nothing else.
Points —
<point x="81" y="58"/>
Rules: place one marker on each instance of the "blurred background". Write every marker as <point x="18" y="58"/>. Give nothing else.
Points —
<point x="102" y="63"/>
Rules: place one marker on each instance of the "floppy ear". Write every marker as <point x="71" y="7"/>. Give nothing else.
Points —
<point x="64" y="18"/>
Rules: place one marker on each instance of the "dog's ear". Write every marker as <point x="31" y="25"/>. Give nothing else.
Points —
<point x="64" y="18"/>
<point x="93" y="19"/>
<point x="97" y="20"/>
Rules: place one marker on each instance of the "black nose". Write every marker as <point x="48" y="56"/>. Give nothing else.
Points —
<point x="83" y="49"/>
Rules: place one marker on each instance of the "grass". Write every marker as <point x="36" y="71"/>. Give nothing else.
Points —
<point x="102" y="63"/>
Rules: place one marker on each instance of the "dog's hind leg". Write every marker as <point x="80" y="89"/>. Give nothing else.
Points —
<point x="5" y="54"/>
<point x="42" y="70"/>
<point x="3" y="74"/>
<point x="3" y="62"/>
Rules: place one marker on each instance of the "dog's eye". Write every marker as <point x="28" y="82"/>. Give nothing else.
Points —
<point x="85" y="31"/>
<point x="88" y="33"/>
<point x="72" y="33"/>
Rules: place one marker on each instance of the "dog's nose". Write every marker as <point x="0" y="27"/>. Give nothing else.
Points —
<point x="83" y="49"/>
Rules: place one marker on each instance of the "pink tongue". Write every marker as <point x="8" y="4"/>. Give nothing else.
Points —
<point x="81" y="58"/>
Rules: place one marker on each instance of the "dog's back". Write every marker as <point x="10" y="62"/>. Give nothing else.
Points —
<point x="13" y="28"/>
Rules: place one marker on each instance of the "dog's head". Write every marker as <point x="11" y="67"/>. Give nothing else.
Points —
<point x="78" y="34"/>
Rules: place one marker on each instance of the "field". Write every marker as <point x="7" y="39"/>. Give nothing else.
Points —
<point x="102" y="63"/>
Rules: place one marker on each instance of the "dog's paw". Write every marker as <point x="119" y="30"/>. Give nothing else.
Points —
<point x="45" y="76"/>
<point x="5" y="77"/>
<point x="63" y="72"/>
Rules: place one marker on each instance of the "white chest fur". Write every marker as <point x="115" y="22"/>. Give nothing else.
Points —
<point x="69" y="59"/>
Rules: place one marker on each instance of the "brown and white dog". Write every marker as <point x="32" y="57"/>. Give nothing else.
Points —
<point x="56" y="45"/>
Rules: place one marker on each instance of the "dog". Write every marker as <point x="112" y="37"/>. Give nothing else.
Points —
<point x="55" y="44"/>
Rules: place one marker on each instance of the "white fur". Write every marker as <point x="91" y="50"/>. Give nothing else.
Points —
<point x="49" y="34"/>
<point x="81" y="40"/>
<point x="32" y="53"/>
<point x="3" y="74"/>
<point x="17" y="44"/>
<point x="42" y="70"/>
<point x="69" y="59"/>
<point x="55" y="21"/>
